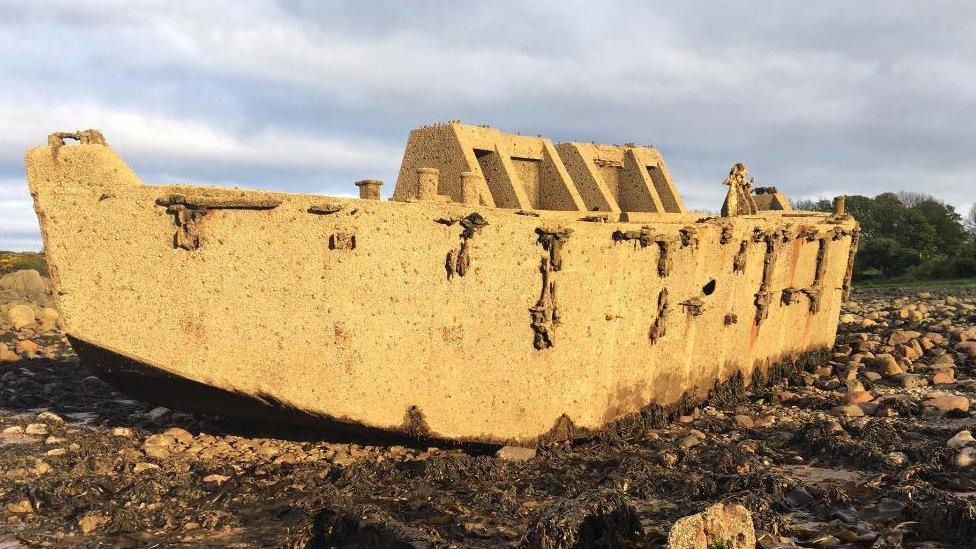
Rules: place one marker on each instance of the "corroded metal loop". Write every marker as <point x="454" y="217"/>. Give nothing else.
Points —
<point x="83" y="137"/>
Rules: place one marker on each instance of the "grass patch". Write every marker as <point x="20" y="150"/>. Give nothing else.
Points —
<point x="950" y="282"/>
<point x="17" y="261"/>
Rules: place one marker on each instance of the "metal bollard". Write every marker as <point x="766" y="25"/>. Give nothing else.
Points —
<point x="369" y="189"/>
<point x="470" y="188"/>
<point x="840" y="205"/>
<point x="427" y="179"/>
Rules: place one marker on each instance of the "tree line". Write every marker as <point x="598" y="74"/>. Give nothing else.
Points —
<point x="909" y="236"/>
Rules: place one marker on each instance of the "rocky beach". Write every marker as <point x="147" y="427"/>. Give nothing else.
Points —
<point x="874" y="448"/>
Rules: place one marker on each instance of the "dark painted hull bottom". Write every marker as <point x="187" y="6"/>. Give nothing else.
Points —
<point x="256" y="415"/>
<point x="266" y="415"/>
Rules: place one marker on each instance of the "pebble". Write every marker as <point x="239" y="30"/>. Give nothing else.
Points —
<point x="966" y="457"/>
<point x="887" y="365"/>
<point x="966" y="347"/>
<point x="20" y="507"/>
<point x="47" y="320"/>
<point x="721" y="525"/>
<point x="689" y="441"/>
<point x="36" y="429"/>
<point x="960" y="439"/>
<point x="896" y="459"/>
<point x="947" y="403"/>
<point x="869" y="408"/>
<point x="901" y="337"/>
<point x="857" y="397"/>
<point x="216" y="478"/>
<point x="515" y="453"/>
<point x="157" y="412"/>
<point x="943" y="378"/>
<point x="27" y="348"/>
<point x="744" y="422"/>
<point x="6" y="355"/>
<point x="911" y="381"/>
<point x="90" y="521"/>
<point x="50" y="416"/>
<point x="143" y="466"/>
<point x="179" y="435"/>
<point x="667" y="459"/>
<point x="122" y="432"/>
<point x="40" y="467"/>
<point x="847" y="410"/>
<point x="872" y="376"/>
<point x="157" y="446"/>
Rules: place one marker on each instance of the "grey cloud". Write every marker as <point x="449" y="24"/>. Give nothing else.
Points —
<point x="817" y="97"/>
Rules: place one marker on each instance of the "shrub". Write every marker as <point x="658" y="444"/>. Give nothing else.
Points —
<point x="17" y="261"/>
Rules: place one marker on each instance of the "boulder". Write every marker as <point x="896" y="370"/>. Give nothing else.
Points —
<point x="721" y="525"/>
<point x="6" y="355"/>
<point x="47" y="319"/>
<point x="20" y="316"/>
<point x="27" y="284"/>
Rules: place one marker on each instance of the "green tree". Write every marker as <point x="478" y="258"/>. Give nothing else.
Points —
<point x="862" y="208"/>
<point x="819" y="205"/>
<point x="886" y="257"/>
<point x="913" y="230"/>
<point x="950" y="235"/>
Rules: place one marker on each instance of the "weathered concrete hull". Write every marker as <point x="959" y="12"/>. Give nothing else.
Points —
<point x="357" y="311"/>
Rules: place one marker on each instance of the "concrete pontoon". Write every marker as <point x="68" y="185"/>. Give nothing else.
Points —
<point x="513" y="290"/>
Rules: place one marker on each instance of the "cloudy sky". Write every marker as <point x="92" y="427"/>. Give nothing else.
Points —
<point x="818" y="98"/>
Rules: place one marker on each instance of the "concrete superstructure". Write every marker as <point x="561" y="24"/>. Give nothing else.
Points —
<point x="521" y="172"/>
<point x="512" y="291"/>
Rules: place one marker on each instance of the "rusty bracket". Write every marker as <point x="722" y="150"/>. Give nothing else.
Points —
<point x="689" y="237"/>
<point x="188" y="212"/>
<point x="694" y="306"/>
<point x="660" y="327"/>
<point x="459" y="261"/>
<point x="727" y="234"/>
<point x="855" y="239"/>
<point x="545" y="313"/>
<point x="739" y="261"/>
